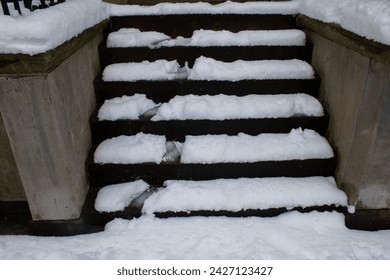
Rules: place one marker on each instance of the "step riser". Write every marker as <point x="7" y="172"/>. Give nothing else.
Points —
<point x="273" y="212"/>
<point x="163" y="91"/>
<point x="190" y="54"/>
<point x="107" y="174"/>
<point x="184" y="25"/>
<point x="177" y="130"/>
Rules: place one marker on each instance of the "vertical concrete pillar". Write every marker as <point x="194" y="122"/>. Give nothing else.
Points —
<point x="46" y="119"/>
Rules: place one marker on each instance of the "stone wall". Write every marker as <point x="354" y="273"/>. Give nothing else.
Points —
<point x="355" y="89"/>
<point x="45" y="117"/>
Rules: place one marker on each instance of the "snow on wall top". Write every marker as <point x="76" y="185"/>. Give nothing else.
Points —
<point x="367" y="18"/>
<point x="43" y="30"/>
<point x="46" y="29"/>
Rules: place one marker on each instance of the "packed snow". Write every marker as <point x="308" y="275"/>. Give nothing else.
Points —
<point x="139" y="148"/>
<point x="135" y="71"/>
<point x="244" y="193"/>
<point x="130" y="37"/>
<point x="146" y="148"/>
<point x="210" y="69"/>
<point x="117" y="197"/>
<point x="288" y="236"/>
<point x="43" y="30"/>
<point x="125" y="107"/>
<point x="297" y="145"/>
<point x="224" y="107"/>
<point x="367" y="18"/>
<point x="228" y="7"/>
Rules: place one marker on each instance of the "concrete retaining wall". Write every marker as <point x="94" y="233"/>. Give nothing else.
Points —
<point x="45" y="123"/>
<point x="355" y="89"/>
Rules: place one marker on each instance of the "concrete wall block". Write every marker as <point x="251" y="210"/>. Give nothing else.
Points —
<point x="343" y="77"/>
<point x="47" y="123"/>
<point x="355" y="89"/>
<point x="11" y="188"/>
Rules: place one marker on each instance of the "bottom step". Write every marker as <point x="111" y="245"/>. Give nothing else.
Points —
<point x="243" y="197"/>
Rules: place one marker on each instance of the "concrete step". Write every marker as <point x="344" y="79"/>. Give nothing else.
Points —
<point x="176" y="130"/>
<point x="184" y="25"/>
<point x="163" y="91"/>
<point x="190" y="54"/>
<point x="155" y="174"/>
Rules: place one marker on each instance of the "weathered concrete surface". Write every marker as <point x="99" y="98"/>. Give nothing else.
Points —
<point x="356" y="91"/>
<point x="46" y="119"/>
<point x="11" y="188"/>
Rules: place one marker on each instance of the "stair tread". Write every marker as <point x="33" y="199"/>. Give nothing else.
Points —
<point x="132" y="37"/>
<point x="206" y="107"/>
<point x="146" y="148"/>
<point x="244" y="193"/>
<point x="163" y="91"/>
<point x="208" y="69"/>
<point x="189" y="54"/>
<point x="256" y="7"/>
<point x="176" y="130"/>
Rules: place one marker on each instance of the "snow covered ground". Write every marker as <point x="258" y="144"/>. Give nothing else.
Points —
<point x="289" y="236"/>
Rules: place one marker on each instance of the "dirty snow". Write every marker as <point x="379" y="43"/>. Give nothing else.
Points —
<point x="245" y="193"/>
<point x="206" y="8"/>
<point x="210" y="69"/>
<point x="43" y="30"/>
<point x="222" y="107"/>
<point x="139" y="148"/>
<point x="298" y="144"/>
<point x="117" y="197"/>
<point x="125" y="107"/>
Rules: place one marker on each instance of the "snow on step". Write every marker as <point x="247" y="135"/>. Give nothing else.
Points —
<point x="223" y="107"/>
<point x="125" y="107"/>
<point x="245" y="193"/>
<point x="248" y="38"/>
<point x="297" y="145"/>
<point x="130" y="37"/>
<point x="212" y="107"/>
<point x="288" y="7"/>
<point x="157" y="70"/>
<point x="140" y="148"/>
<point x="210" y="69"/>
<point x="117" y="197"/>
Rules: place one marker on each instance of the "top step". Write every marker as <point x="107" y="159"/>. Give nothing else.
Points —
<point x="184" y="25"/>
<point x="180" y="19"/>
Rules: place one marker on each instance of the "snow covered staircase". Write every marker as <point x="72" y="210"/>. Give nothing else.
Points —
<point x="216" y="123"/>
